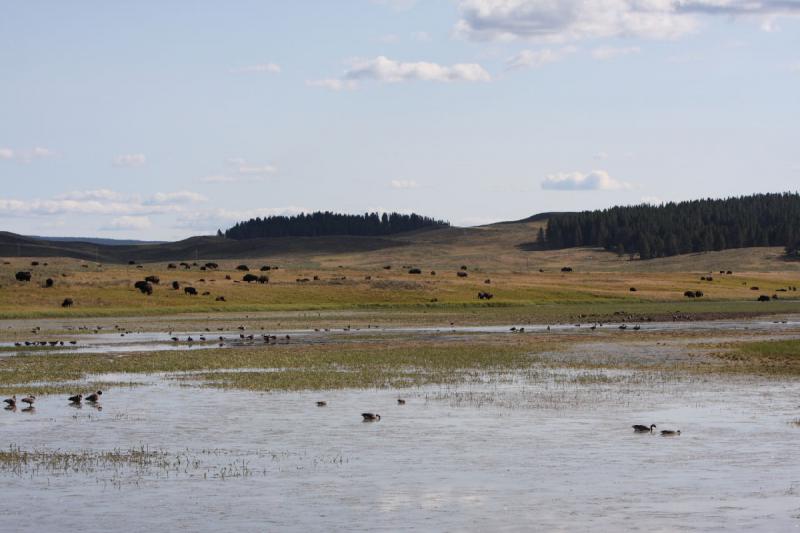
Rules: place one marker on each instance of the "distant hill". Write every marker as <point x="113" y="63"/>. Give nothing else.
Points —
<point x="680" y="228"/>
<point x="94" y="240"/>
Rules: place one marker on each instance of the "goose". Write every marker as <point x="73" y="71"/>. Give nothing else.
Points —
<point x="322" y="403"/>
<point x="670" y="433"/>
<point x="94" y="397"/>
<point x="401" y="401"/>
<point x="76" y="399"/>
<point x="29" y="400"/>
<point x="371" y="417"/>
<point x="638" y="428"/>
<point x="12" y="402"/>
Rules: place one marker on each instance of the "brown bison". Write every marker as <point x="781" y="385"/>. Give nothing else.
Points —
<point x="414" y="271"/>
<point x="176" y="285"/>
<point x="144" y="287"/>
<point x="461" y="274"/>
<point x="249" y="278"/>
<point x="191" y="291"/>
<point x="48" y="283"/>
<point x="155" y="280"/>
<point x="243" y="268"/>
<point x="23" y="276"/>
<point x="67" y="302"/>
<point x="263" y="279"/>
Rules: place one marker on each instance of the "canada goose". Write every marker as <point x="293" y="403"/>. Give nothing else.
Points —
<point x="638" y="428"/>
<point x="76" y="399"/>
<point x="29" y="400"/>
<point x="12" y="402"/>
<point x="401" y="401"/>
<point x="371" y="417"/>
<point x="670" y="433"/>
<point x="322" y="403"/>
<point x="93" y="398"/>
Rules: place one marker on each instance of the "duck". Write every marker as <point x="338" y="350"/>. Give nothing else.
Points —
<point x="94" y="397"/>
<point x="76" y="399"/>
<point x="401" y="401"/>
<point x="670" y="433"/>
<point x="371" y="417"/>
<point x="639" y="428"/>
<point x="29" y="400"/>
<point x="12" y="402"/>
<point x="322" y="403"/>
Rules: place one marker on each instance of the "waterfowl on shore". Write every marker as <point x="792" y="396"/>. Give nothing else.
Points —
<point x="12" y="402"/>
<point x="94" y="397"/>
<point x="29" y="400"/>
<point x="670" y="433"/>
<point x="371" y="417"/>
<point x="401" y="401"/>
<point x="76" y="399"/>
<point x="639" y="428"/>
<point x="322" y="403"/>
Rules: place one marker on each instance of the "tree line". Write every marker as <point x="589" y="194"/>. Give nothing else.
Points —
<point x="651" y="231"/>
<point x="328" y="223"/>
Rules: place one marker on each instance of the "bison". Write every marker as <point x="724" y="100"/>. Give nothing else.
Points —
<point x="172" y="266"/>
<point x="243" y="268"/>
<point x="566" y="269"/>
<point x="263" y="279"/>
<point x="485" y="295"/>
<point x="211" y="266"/>
<point x="191" y="291"/>
<point x="23" y="276"/>
<point x="219" y="299"/>
<point x="414" y="271"/>
<point x="67" y="302"/>
<point x="176" y="285"/>
<point x="461" y="274"/>
<point x="689" y="294"/>
<point x="48" y="283"/>
<point x="249" y="278"/>
<point x="144" y="287"/>
<point x="763" y="298"/>
<point x="155" y="280"/>
<point x="265" y="268"/>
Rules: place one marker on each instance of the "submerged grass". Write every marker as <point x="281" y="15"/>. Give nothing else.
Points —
<point x="778" y="358"/>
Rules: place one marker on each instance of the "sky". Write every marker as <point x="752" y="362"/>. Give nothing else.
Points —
<point x="161" y="120"/>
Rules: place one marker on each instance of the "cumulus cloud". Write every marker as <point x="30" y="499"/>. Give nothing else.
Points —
<point x="212" y="219"/>
<point x="564" y="20"/>
<point x="404" y="184"/>
<point x="332" y="84"/>
<point x="536" y="58"/>
<point x="100" y="202"/>
<point x="239" y="170"/>
<point x="93" y="194"/>
<point x="26" y="155"/>
<point x="388" y="70"/>
<point x="597" y="180"/>
<point x="128" y="223"/>
<point x="176" y="197"/>
<point x="605" y="53"/>
<point x="130" y="160"/>
<point x="266" y="68"/>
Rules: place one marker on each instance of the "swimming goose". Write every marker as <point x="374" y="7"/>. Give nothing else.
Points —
<point x="93" y="398"/>
<point x="29" y="400"/>
<point x="638" y="428"/>
<point x="670" y="433"/>
<point x="12" y="402"/>
<point x="371" y="417"/>
<point x="76" y="399"/>
<point x="401" y="401"/>
<point x="322" y="403"/>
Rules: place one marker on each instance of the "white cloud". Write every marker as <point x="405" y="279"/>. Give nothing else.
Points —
<point x="537" y="58"/>
<point x="333" y="84"/>
<point x="93" y="194"/>
<point x="176" y="197"/>
<point x="605" y="53"/>
<point x="563" y="20"/>
<point x="597" y="180"/>
<point x="268" y="68"/>
<point x="26" y="156"/>
<point x="421" y="36"/>
<point x="128" y="223"/>
<point x="130" y="160"/>
<point x="601" y="155"/>
<point x="239" y="170"/>
<point x="404" y="184"/>
<point x="389" y="38"/>
<point x="256" y="169"/>
<point x="212" y="219"/>
<point x="652" y="200"/>
<point x="388" y="70"/>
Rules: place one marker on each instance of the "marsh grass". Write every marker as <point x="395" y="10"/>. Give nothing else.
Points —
<point x="774" y="358"/>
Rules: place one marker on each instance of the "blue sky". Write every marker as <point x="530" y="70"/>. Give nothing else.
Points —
<point x="167" y="119"/>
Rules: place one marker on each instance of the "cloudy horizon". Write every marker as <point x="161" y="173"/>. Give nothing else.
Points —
<point x="186" y="121"/>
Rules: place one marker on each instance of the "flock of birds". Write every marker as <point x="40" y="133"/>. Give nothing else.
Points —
<point x="640" y="428"/>
<point x="92" y="398"/>
<point x="367" y="417"/>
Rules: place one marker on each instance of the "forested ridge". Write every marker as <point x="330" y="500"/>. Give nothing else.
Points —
<point x="651" y="231"/>
<point x="328" y="223"/>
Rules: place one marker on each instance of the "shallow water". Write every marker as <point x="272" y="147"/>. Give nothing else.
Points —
<point x="544" y="452"/>
<point x="160" y="341"/>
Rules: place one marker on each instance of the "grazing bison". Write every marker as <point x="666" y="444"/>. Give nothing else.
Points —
<point x="487" y="281"/>
<point x="566" y="269"/>
<point x="263" y="279"/>
<point x="131" y="262"/>
<point x="206" y="293"/>
<point x="689" y="294"/>
<point x="67" y="302"/>
<point x="763" y="298"/>
<point x="172" y="266"/>
<point x="48" y="283"/>
<point x="23" y="276"/>
<point x="211" y="266"/>
<point x="729" y="272"/>
<point x="249" y="278"/>
<point x="191" y="291"/>
<point x="433" y="272"/>
<point x="698" y="294"/>
<point x="144" y="287"/>
<point x="463" y="267"/>
<point x="176" y="285"/>
<point x="243" y="268"/>
<point x="34" y="263"/>
<point x="414" y="271"/>
<point x="266" y="268"/>
<point x="632" y="289"/>
<point x="461" y="274"/>
<point x="227" y="276"/>
<point x="754" y="288"/>
<point x="219" y="299"/>
<point x="387" y="267"/>
<point x="155" y="280"/>
<point x="485" y="295"/>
